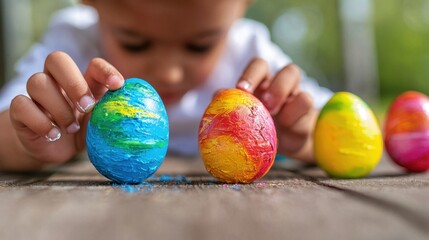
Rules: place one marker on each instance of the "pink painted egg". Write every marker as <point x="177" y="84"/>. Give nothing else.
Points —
<point x="237" y="137"/>
<point x="407" y="131"/>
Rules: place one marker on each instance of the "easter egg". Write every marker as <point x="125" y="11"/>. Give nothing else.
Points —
<point x="128" y="132"/>
<point x="347" y="138"/>
<point x="237" y="137"/>
<point x="407" y="131"/>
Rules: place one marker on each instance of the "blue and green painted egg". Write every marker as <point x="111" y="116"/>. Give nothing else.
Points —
<point x="128" y="132"/>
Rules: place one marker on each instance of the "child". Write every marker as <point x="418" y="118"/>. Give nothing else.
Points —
<point x="187" y="49"/>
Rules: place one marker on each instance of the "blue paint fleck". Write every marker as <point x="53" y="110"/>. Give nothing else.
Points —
<point x="165" y="178"/>
<point x="133" y="188"/>
<point x="236" y="187"/>
<point x="179" y="179"/>
<point x="126" y="187"/>
<point x="280" y="158"/>
<point x="147" y="186"/>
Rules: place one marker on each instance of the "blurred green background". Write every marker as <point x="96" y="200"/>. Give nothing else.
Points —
<point x="400" y="36"/>
<point x="376" y="49"/>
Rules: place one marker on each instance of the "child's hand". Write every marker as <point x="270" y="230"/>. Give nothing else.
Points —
<point x="292" y="109"/>
<point x="51" y="124"/>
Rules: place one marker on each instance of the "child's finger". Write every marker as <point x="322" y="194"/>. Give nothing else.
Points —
<point x="68" y="76"/>
<point x="292" y="140"/>
<point x="302" y="125"/>
<point x="44" y="91"/>
<point x="21" y="108"/>
<point x="282" y="86"/>
<point x="256" y="72"/>
<point x="101" y="75"/>
<point x="294" y="110"/>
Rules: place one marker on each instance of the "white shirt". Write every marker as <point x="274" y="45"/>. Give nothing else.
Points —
<point x="74" y="30"/>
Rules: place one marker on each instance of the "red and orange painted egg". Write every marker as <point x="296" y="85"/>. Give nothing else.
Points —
<point x="237" y="137"/>
<point x="406" y="133"/>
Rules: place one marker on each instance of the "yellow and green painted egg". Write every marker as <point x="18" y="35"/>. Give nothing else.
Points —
<point x="347" y="138"/>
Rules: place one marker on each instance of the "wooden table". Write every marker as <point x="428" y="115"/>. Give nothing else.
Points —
<point x="183" y="202"/>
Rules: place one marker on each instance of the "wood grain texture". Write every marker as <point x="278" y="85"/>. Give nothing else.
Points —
<point x="183" y="202"/>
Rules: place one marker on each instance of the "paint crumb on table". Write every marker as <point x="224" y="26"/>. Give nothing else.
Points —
<point x="152" y="182"/>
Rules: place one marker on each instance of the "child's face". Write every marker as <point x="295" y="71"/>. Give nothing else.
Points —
<point x="173" y="44"/>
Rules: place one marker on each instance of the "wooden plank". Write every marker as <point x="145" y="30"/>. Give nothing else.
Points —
<point x="183" y="202"/>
